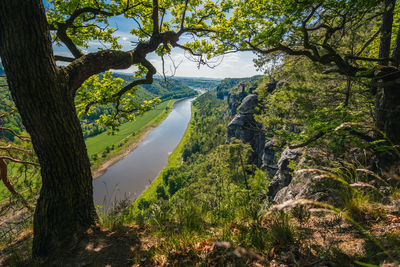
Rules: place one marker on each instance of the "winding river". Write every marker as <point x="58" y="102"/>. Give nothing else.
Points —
<point x="129" y="177"/>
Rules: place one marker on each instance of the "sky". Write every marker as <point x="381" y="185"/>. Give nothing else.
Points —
<point x="235" y="65"/>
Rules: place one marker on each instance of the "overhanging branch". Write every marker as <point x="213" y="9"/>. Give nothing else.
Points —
<point x="65" y="59"/>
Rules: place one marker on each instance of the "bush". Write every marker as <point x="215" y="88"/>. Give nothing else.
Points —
<point x="143" y="204"/>
<point x="160" y="191"/>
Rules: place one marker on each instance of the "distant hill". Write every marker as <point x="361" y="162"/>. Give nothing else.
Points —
<point x="227" y="84"/>
<point x="195" y="82"/>
<point x="165" y="90"/>
<point x="199" y="82"/>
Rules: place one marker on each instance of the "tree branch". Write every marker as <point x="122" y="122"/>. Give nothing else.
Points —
<point x="19" y="161"/>
<point x="367" y="58"/>
<point x="309" y="141"/>
<point x="148" y="80"/>
<point x="154" y="17"/>
<point x="62" y="35"/>
<point x="10" y="186"/>
<point x="14" y="133"/>
<point x="62" y="27"/>
<point x="368" y="43"/>
<point x="82" y="68"/>
<point x="184" y="14"/>
<point x="65" y="59"/>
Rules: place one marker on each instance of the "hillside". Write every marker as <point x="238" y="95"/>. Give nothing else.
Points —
<point x="202" y="83"/>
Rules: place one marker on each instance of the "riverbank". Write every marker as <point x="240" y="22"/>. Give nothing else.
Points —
<point x="120" y="146"/>
<point x="174" y="159"/>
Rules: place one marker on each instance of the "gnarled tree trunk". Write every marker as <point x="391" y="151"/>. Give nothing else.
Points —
<point x="65" y="208"/>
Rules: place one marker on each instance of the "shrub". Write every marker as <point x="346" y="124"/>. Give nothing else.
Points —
<point x="160" y="191"/>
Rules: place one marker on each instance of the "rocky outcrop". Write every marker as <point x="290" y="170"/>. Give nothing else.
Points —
<point x="269" y="162"/>
<point x="283" y="175"/>
<point x="245" y="128"/>
<point x="302" y="186"/>
<point x="286" y="184"/>
<point x="235" y="99"/>
<point x="289" y="185"/>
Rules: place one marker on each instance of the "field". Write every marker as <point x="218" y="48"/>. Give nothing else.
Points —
<point x="98" y="143"/>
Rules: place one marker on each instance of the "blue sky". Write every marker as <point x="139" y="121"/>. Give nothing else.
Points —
<point x="231" y="65"/>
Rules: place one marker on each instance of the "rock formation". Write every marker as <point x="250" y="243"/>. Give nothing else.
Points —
<point x="235" y="99"/>
<point x="283" y="176"/>
<point x="269" y="163"/>
<point x="245" y="128"/>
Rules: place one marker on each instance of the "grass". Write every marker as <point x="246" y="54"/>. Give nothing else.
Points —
<point x="97" y="144"/>
<point x="174" y="160"/>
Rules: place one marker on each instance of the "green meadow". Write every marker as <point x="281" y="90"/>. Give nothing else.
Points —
<point x="97" y="144"/>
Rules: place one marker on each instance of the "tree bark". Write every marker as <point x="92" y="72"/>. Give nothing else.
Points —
<point x="65" y="209"/>
<point x="387" y="105"/>
<point x="386" y="32"/>
<point x="396" y="50"/>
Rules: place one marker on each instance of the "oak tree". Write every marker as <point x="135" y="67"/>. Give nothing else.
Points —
<point x="44" y="92"/>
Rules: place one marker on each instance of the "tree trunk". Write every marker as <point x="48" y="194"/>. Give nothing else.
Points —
<point x="387" y="105"/>
<point x="65" y="209"/>
<point x="386" y="32"/>
<point x="396" y="50"/>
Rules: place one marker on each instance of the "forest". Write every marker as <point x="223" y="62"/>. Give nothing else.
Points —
<point x="297" y="166"/>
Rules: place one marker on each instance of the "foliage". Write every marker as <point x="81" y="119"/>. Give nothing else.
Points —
<point x="309" y="103"/>
<point x="228" y="84"/>
<point x="100" y="92"/>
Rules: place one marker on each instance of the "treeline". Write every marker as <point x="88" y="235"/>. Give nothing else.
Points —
<point x="202" y="83"/>
<point x="229" y="84"/>
<point x="170" y="89"/>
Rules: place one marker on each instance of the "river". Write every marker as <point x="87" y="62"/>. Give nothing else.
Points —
<point x="130" y="176"/>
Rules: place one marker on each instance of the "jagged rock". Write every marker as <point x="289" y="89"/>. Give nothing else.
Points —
<point x="283" y="175"/>
<point x="302" y="186"/>
<point x="235" y="99"/>
<point x="269" y="159"/>
<point x="249" y="103"/>
<point x="245" y="128"/>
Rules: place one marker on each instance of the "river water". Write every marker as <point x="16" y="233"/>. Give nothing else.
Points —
<point x="129" y="177"/>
